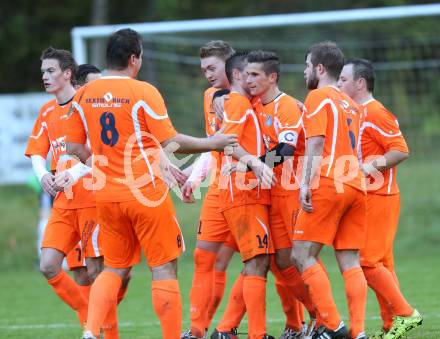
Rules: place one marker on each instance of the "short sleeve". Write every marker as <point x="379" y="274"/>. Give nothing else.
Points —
<point x="156" y="116"/>
<point x="386" y="132"/>
<point x="288" y="118"/>
<point x="234" y="117"/>
<point x="315" y="117"/>
<point x="38" y="142"/>
<point x="74" y="126"/>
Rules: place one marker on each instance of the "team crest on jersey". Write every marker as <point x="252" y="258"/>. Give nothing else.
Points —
<point x="108" y="96"/>
<point x="269" y="120"/>
<point x="59" y="145"/>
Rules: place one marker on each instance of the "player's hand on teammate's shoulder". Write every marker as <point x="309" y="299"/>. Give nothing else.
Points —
<point x="218" y="103"/>
<point x="219" y="140"/>
<point x="305" y="198"/>
<point x="48" y="184"/>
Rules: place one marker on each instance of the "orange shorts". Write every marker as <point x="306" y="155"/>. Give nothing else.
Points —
<point x="282" y="216"/>
<point x="129" y="226"/>
<point x="212" y="225"/>
<point x="382" y="220"/>
<point x="338" y="219"/>
<point x="249" y="224"/>
<point x="66" y="227"/>
<point x="75" y="258"/>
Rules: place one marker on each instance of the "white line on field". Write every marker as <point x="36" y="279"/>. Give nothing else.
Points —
<point x="151" y="323"/>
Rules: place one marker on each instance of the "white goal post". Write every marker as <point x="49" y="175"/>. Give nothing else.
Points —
<point x="81" y="34"/>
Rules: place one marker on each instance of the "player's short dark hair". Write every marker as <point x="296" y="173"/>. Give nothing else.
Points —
<point x="363" y="68"/>
<point x="269" y="60"/>
<point x="65" y="60"/>
<point x="329" y="55"/>
<point x="121" y="46"/>
<point x="83" y="71"/>
<point x="235" y="61"/>
<point x="218" y="48"/>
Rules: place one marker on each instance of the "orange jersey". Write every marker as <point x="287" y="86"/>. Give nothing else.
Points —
<point x="281" y="122"/>
<point x="49" y="134"/>
<point x="239" y="118"/>
<point x="125" y="121"/>
<point x="335" y="116"/>
<point x="212" y="125"/>
<point x="379" y="134"/>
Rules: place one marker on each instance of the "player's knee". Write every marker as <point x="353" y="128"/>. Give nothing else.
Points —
<point x="283" y="259"/>
<point x="93" y="272"/>
<point x="94" y="267"/>
<point x="347" y="259"/>
<point x="49" y="269"/>
<point x="81" y="277"/>
<point x="258" y="266"/>
<point x="166" y="271"/>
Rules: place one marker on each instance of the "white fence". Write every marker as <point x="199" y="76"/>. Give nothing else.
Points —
<point x="17" y="117"/>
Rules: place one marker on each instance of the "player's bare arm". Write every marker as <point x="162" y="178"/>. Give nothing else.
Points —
<point x="388" y="160"/>
<point x="313" y="154"/>
<point x="189" y="144"/>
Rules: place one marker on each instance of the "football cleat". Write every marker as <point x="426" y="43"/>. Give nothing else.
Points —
<point x="88" y="335"/>
<point x="378" y="335"/>
<point x="291" y="334"/>
<point x="402" y="325"/>
<point x="232" y="334"/>
<point x="310" y="329"/>
<point x="361" y="335"/>
<point x="189" y="335"/>
<point x="339" y="333"/>
<point x="268" y="336"/>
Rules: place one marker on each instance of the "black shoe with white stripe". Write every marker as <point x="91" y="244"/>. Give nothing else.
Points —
<point x="339" y="333"/>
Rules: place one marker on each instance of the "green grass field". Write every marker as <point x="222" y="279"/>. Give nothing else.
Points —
<point x="29" y="309"/>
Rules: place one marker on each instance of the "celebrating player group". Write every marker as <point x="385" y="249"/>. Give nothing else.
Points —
<point x="286" y="177"/>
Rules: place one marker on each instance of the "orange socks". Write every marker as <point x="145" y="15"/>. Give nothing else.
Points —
<point x="68" y="290"/>
<point x="235" y="309"/>
<point x="110" y="326"/>
<point x="386" y="313"/>
<point x="319" y="288"/>
<point x="356" y="293"/>
<point x="85" y="291"/>
<point x="201" y="290"/>
<point x="382" y="282"/>
<point x="291" y="278"/>
<point x="219" y="290"/>
<point x="254" y="295"/>
<point x="103" y="297"/>
<point x="292" y="308"/>
<point x="167" y="304"/>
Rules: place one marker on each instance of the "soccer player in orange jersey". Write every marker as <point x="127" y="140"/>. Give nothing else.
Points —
<point x="332" y="197"/>
<point x="208" y="283"/>
<point x="75" y="258"/>
<point x="281" y="124"/>
<point x="244" y="198"/>
<point x="381" y="147"/>
<point x="73" y="215"/>
<point x="125" y="122"/>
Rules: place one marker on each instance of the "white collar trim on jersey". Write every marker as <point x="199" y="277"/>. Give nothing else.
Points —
<point x="368" y="101"/>
<point x="114" y="77"/>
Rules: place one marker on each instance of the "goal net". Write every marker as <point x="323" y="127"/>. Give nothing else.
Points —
<point x="405" y="51"/>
